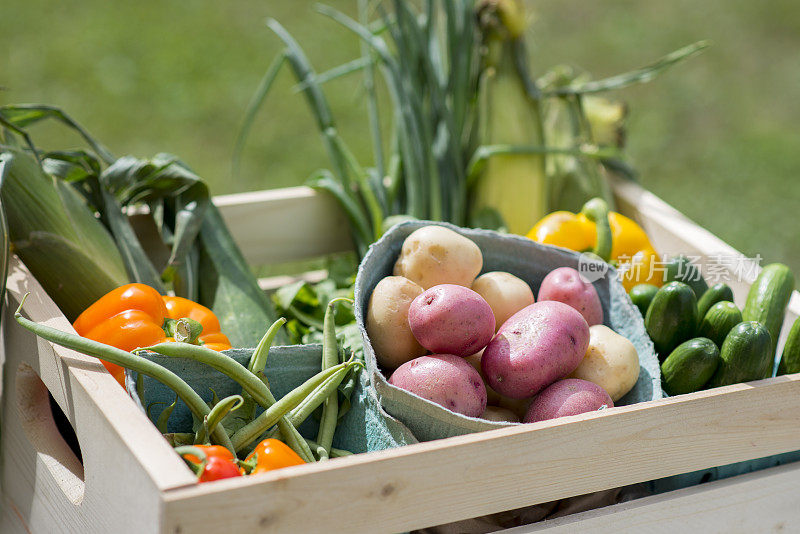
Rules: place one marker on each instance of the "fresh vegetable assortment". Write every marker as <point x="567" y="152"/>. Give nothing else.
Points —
<point x="476" y="140"/>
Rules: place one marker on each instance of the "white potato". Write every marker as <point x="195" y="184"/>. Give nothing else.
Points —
<point x="434" y="255"/>
<point x="611" y="362"/>
<point x="387" y="321"/>
<point x="505" y="293"/>
<point x="499" y="415"/>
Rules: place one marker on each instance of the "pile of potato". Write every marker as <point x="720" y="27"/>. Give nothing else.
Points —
<point x="482" y="346"/>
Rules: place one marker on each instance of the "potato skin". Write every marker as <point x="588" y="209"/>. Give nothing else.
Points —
<point x="518" y="407"/>
<point x="611" y="362"/>
<point x="387" y="321"/>
<point x="434" y="255"/>
<point x="505" y="293"/>
<point x="499" y="415"/>
<point x="535" y="347"/>
<point x="451" y="319"/>
<point x="444" y="379"/>
<point x="565" y="285"/>
<point x="570" y="396"/>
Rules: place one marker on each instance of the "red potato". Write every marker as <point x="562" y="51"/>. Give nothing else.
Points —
<point x="566" y="285"/>
<point x="518" y="407"/>
<point x="475" y="361"/>
<point x="505" y="293"/>
<point x="535" y="347"/>
<point x="444" y="379"/>
<point x="567" y="397"/>
<point x="451" y="319"/>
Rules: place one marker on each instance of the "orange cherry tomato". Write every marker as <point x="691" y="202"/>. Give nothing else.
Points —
<point x="273" y="454"/>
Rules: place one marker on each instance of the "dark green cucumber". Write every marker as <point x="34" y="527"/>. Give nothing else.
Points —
<point x="642" y="295"/>
<point x="768" y="297"/>
<point x="745" y="355"/>
<point x="719" y="320"/>
<point x="716" y="293"/>
<point x="790" y="361"/>
<point x="681" y="269"/>
<point x="690" y="366"/>
<point x="671" y="318"/>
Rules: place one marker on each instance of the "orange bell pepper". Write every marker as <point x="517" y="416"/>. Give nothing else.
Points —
<point x="272" y="454"/>
<point x="136" y="315"/>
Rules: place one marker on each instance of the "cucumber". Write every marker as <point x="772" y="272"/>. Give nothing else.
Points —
<point x="790" y="361"/>
<point x="671" y="318"/>
<point x="768" y="297"/>
<point x="690" y="366"/>
<point x="642" y="295"/>
<point x="716" y="293"/>
<point x="719" y="320"/>
<point x="745" y="355"/>
<point x="681" y="269"/>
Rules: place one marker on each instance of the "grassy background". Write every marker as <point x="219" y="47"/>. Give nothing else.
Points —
<point x="717" y="137"/>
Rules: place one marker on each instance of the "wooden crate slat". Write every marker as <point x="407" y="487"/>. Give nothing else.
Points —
<point x="763" y="501"/>
<point x="283" y="225"/>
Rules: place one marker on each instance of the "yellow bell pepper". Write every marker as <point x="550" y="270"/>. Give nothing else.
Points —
<point x="631" y="249"/>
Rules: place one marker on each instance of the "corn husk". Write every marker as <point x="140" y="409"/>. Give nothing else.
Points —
<point x="606" y="120"/>
<point x="513" y="184"/>
<point x="51" y="229"/>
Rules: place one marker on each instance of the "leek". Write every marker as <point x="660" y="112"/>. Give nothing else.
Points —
<point x="474" y="140"/>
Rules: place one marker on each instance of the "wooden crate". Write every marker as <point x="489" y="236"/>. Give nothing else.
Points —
<point x="130" y="481"/>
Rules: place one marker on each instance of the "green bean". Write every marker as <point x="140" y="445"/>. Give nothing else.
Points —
<point x="250" y="383"/>
<point x="347" y="387"/>
<point x="163" y="417"/>
<point x="294" y="440"/>
<point x="259" y="358"/>
<point x="330" y="358"/>
<point x="224" y="364"/>
<point x="304" y="410"/>
<point x="335" y="453"/>
<point x="130" y="361"/>
<point x="245" y="435"/>
<point x="216" y="415"/>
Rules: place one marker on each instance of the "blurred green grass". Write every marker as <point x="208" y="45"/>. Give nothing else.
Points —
<point x="717" y="137"/>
